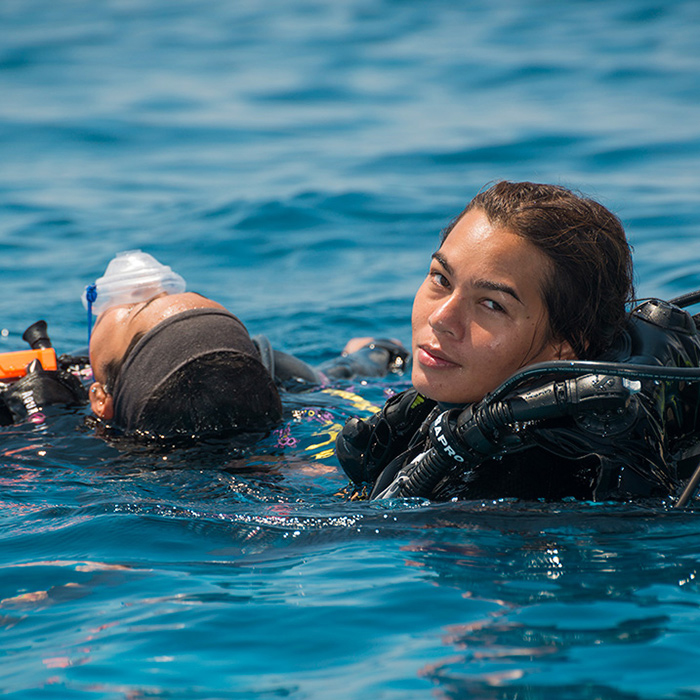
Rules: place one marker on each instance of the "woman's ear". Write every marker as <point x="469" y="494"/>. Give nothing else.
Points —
<point x="101" y="403"/>
<point x="565" y="351"/>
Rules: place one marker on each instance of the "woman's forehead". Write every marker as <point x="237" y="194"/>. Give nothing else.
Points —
<point x="480" y="244"/>
<point x="160" y="304"/>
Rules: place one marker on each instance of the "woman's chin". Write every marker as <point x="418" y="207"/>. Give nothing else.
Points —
<point x="441" y="389"/>
<point x="432" y="389"/>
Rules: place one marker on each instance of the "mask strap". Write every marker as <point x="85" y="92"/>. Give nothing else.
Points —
<point x="90" y="295"/>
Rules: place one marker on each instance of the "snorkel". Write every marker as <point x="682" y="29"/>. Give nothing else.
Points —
<point x="130" y="277"/>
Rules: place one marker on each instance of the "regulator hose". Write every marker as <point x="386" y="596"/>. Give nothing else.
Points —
<point x="581" y="367"/>
<point x="463" y="438"/>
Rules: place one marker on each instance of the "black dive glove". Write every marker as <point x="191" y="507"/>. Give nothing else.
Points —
<point x="365" y="447"/>
<point x="376" y="359"/>
<point x="461" y="439"/>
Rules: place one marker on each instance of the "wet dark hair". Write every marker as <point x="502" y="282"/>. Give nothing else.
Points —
<point x="195" y="374"/>
<point x="114" y="367"/>
<point x="590" y="281"/>
<point x="200" y="399"/>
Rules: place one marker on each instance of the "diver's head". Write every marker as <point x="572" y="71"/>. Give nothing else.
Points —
<point x="179" y="364"/>
<point x="590" y="280"/>
<point x="120" y="327"/>
<point x="526" y="273"/>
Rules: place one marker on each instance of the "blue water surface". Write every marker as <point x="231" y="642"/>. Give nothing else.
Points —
<point x="295" y="160"/>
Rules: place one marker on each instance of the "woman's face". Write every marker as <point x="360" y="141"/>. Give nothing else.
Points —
<point x="479" y="315"/>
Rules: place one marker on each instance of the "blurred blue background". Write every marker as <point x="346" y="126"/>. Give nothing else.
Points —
<point x="295" y="160"/>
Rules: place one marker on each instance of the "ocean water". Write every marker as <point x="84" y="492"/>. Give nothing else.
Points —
<point x="295" y="160"/>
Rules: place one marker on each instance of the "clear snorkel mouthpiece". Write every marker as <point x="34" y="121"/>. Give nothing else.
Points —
<point x="130" y="277"/>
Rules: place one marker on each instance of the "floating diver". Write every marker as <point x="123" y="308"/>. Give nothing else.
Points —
<point x="169" y="363"/>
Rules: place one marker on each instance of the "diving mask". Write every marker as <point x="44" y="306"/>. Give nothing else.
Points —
<point x="130" y="277"/>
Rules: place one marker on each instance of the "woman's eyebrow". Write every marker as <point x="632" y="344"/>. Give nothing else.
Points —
<point x="439" y="257"/>
<point x="498" y="287"/>
<point x="150" y="301"/>
<point x="481" y="283"/>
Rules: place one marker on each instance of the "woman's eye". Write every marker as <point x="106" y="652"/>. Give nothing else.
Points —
<point x="493" y="305"/>
<point x="439" y="279"/>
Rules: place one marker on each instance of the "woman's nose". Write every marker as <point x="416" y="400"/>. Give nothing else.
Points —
<point x="447" y="317"/>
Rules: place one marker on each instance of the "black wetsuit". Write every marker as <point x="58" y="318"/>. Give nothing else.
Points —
<point x="376" y="359"/>
<point x="622" y="440"/>
<point x="29" y="396"/>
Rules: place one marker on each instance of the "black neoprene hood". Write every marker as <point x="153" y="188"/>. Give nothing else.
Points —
<point x="207" y="360"/>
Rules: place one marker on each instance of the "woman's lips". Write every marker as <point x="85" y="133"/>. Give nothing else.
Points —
<point x="431" y="357"/>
